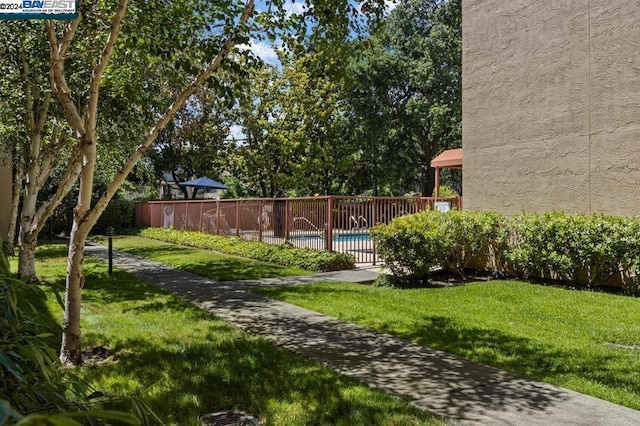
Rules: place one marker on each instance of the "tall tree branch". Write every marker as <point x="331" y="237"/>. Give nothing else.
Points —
<point x="178" y="103"/>
<point x="58" y="80"/>
<point x="69" y="178"/>
<point x="96" y="77"/>
<point x="28" y="94"/>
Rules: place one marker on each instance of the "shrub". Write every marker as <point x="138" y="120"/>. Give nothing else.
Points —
<point x="119" y="214"/>
<point x="585" y="249"/>
<point x="536" y="245"/>
<point x="414" y="245"/>
<point x="29" y="367"/>
<point x="469" y="236"/>
<point x="314" y="260"/>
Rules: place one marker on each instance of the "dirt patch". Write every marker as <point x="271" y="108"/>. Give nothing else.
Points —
<point x="96" y="355"/>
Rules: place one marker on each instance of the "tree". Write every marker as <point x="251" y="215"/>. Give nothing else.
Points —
<point x="407" y="91"/>
<point x="263" y="159"/>
<point x="324" y="151"/>
<point x="38" y="139"/>
<point x="194" y="143"/>
<point x="195" y="36"/>
<point x="297" y="137"/>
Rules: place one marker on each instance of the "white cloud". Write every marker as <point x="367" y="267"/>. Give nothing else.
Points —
<point x="265" y="51"/>
<point x="294" y="7"/>
<point x="390" y="5"/>
<point x="290" y="6"/>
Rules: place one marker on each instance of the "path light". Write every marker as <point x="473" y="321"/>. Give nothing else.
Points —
<point x="110" y="232"/>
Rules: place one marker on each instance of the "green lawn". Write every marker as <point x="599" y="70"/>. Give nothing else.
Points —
<point x="585" y="341"/>
<point x="215" y="266"/>
<point x="185" y="362"/>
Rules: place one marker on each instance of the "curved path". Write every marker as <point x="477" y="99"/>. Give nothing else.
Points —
<point x="447" y="385"/>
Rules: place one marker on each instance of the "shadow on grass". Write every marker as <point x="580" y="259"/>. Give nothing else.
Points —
<point x="525" y="356"/>
<point x="222" y="368"/>
<point x="52" y="251"/>
<point x="594" y="364"/>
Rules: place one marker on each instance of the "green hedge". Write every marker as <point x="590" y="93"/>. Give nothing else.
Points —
<point x="586" y="249"/>
<point x="313" y="260"/>
<point x="414" y="245"/>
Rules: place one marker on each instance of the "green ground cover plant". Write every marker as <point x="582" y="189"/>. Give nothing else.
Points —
<point x="585" y="341"/>
<point x="184" y="362"/>
<point x="215" y="266"/>
<point x="313" y="260"/>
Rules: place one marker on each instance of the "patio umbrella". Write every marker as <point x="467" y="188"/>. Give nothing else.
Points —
<point x="204" y="182"/>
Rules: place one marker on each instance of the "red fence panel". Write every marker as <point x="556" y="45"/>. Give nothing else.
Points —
<point x="332" y="223"/>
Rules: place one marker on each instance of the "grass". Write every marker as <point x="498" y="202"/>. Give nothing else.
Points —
<point x="184" y="362"/>
<point x="585" y="341"/>
<point x="215" y="266"/>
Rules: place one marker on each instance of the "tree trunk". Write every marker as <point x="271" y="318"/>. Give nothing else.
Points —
<point x="71" y="346"/>
<point x="27" y="256"/>
<point x="428" y="172"/>
<point x="84" y="216"/>
<point x="15" y="206"/>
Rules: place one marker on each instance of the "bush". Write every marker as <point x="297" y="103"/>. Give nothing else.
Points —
<point x="585" y="249"/>
<point x="28" y="365"/>
<point x="469" y="236"/>
<point x="119" y="214"/>
<point x="313" y="260"/>
<point x="412" y="246"/>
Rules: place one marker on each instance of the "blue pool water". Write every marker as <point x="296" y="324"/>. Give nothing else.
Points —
<point x="338" y="238"/>
<point x="352" y="237"/>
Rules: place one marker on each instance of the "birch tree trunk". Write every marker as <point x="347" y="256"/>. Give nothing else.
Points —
<point x="71" y="345"/>
<point x="33" y="219"/>
<point x="15" y="206"/>
<point x="34" y="168"/>
<point x="86" y="216"/>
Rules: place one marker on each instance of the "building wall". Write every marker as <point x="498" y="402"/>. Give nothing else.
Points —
<point x="5" y="195"/>
<point x="551" y="105"/>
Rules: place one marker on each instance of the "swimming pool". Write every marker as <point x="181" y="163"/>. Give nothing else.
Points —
<point x="352" y="237"/>
<point x="346" y="237"/>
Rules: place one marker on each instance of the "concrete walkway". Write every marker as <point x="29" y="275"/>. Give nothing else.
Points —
<point x="463" y="391"/>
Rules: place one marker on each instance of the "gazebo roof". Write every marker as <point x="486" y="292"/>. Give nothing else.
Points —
<point x="451" y="159"/>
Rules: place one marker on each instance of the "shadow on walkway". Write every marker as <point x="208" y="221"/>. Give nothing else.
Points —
<point x="436" y="381"/>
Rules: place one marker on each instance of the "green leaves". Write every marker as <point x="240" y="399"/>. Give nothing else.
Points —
<point x="406" y="94"/>
<point x="589" y="250"/>
<point x="586" y="249"/>
<point x="412" y="246"/>
<point x="313" y="260"/>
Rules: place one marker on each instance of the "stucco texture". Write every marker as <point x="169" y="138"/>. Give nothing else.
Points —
<point x="551" y="105"/>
